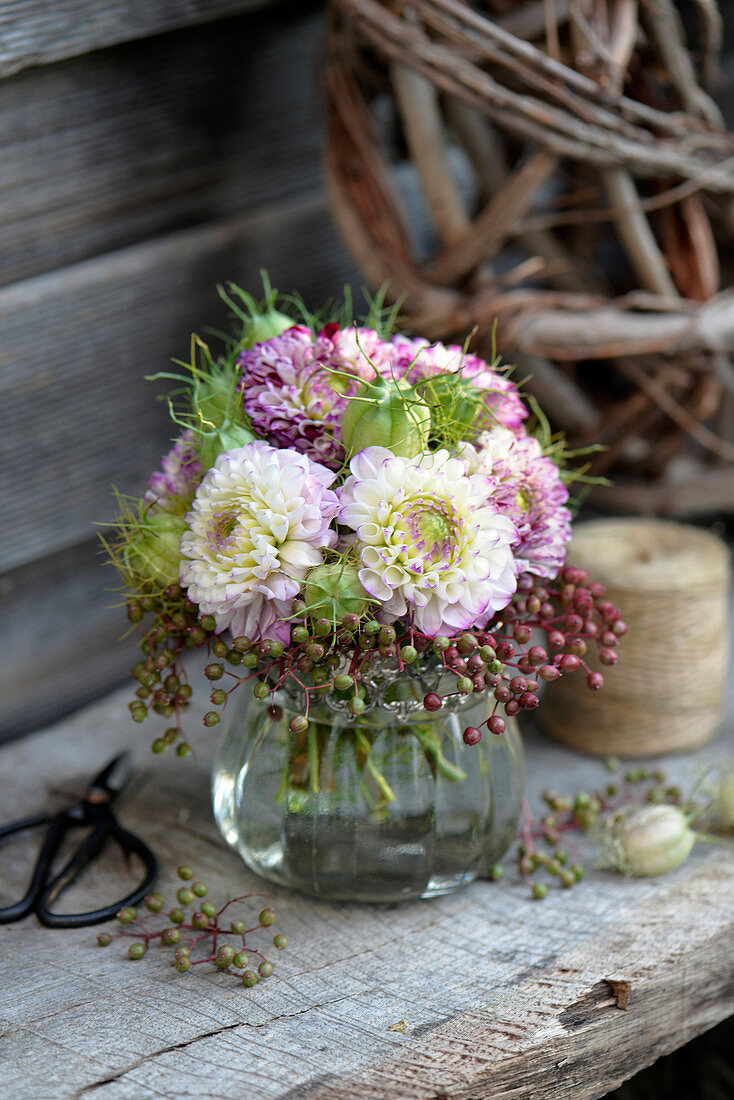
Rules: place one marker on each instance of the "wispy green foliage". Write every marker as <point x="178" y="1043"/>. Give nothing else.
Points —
<point x="554" y="446"/>
<point x="145" y="547"/>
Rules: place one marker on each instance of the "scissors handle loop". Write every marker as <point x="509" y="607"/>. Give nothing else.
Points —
<point x="129" y="843"/>
<point x="43" y="891"/>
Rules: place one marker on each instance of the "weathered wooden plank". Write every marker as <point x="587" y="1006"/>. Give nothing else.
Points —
<point x="502" y="998"/>
<point x="36" y="32"/>
<point x="77" y="343"/>
<point x="61" y="638"/>
<point x="111" y="149"/>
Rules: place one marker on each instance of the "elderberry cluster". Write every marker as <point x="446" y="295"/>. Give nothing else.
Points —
<point x="163" y="687"/>
<point x="338" y="658"/>
<point x="325" y="658"/>
<point x="208" y="939"/>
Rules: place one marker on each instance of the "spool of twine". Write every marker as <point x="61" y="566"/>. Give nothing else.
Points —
<point x="667" y="691"/>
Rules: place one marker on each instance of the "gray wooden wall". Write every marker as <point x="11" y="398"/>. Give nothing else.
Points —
<point x="148" y="151"/>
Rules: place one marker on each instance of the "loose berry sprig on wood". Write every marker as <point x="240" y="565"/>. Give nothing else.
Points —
<point x="200" y="936"/>
<point x="546" y="844"/>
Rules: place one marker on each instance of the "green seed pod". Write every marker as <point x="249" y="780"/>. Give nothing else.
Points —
<point x="226" y="439"/>
<point x="264" y="326"/>
<point x="151" y="553"/>
<point x="652" y="840"/>
<point x="453" y="405"/>
<point x="726" y="800"/>
<point x="333" y="591"/>
<point x="384" y="413"/>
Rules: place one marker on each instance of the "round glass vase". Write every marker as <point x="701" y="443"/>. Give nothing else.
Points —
<point x="390" y="806"/>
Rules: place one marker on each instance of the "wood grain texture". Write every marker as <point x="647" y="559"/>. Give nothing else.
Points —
<point x="502" y="998"/>
<point x="77" y="344"/>
<point x="61" y="616"/>
<point x="36" y="32"/>
<point x="111" y="149"/>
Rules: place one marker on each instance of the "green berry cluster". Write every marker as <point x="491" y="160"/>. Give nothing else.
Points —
<point x="162" y="685"/>
<point x="197" y="932"/>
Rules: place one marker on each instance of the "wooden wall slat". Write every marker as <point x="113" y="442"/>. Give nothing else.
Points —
<point x="104" y="151"/>
<point x="78" y="415"/>
<point x="61" y="638"/>
<point x="36" y="32"/>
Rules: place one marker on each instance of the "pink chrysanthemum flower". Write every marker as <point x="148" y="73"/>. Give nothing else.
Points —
<point x="291" y="394"/>
<point x="429" y="543"/>
<point x="528" y="489"/>
<point x="257" y="525"/>
<point x="172" y="487"/>
<point x="417" y="360"/>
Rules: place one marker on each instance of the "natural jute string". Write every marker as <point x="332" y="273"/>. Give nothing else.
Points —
<point x="666" y="693"/>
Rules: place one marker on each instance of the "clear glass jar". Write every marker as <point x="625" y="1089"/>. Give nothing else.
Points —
<point x="391" y="806"/>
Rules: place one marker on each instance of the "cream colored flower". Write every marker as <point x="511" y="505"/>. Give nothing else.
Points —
<point x="257" y="525"/>
<point x="431" y="547"/>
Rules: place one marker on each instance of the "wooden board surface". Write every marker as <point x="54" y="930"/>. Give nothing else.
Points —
<point x="36" y="32"/>
<point x="502" y="998"/>
<point x="61" y="616"/>
<point x="111" y="149"/>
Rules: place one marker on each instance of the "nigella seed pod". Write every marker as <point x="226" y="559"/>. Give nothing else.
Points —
<point x="333" y="591"/>
<point x="267" y="326"/>
<point x="652" y="840"/>
<point x="151" y="553"/>
<point x="726" y="800"/>
<point x="225" y="439"/>
<point x="384" y="413"/>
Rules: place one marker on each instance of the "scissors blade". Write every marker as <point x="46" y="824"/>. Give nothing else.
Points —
<point x="113" y="778"/>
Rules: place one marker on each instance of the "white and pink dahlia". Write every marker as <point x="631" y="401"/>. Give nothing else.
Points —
<point x="528" y="488"/>
<point x="430" y="545"/>
<point x="291" y="393"/>
<point x="418" y="360"/>
<point x="172" y="487"/>
<point x="257" y="525"/>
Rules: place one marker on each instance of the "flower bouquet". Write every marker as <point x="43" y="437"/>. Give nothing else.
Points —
<point x="367" y="534"/>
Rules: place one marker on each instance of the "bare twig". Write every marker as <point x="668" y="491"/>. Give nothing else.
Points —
<point x="487" y="232"/>
<point x="703" y="492"/>
<point x="624" y="30"/>
<point x="665" y="28"/>
<point x="711" y="27"/>
<point x="702" y="435"/>
<point x="636" y="234"/>
<point x="423" y="128"/>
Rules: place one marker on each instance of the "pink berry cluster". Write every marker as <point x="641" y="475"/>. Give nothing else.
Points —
<point x="572" y="613"/>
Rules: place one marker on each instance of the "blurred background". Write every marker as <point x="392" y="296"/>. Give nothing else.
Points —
<point x="151" y="151"/>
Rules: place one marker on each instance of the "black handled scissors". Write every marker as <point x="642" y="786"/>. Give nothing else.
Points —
<point x="93" y="812"/>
